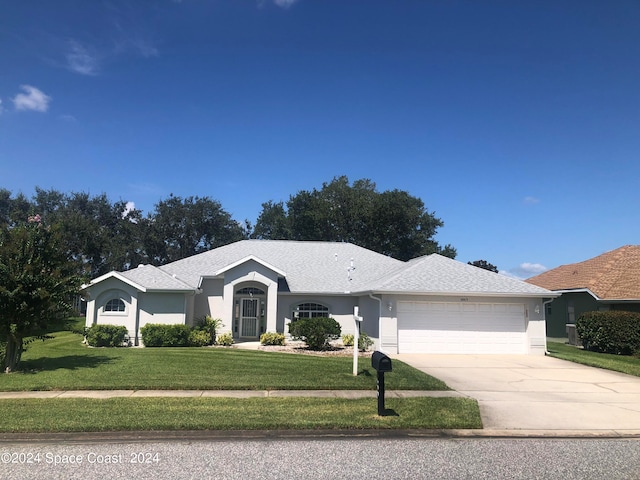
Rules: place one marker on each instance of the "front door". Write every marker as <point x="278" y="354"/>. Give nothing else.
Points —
<point x="249" y="317"/>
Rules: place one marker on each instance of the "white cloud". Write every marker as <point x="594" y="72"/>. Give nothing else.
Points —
<point x="32" y="99"/>
<point x="128" y="208"/>
<point x="531" y="200"/>
<point x="524" y="270"/>
<point x="0" y="105"/>
<point x="284" y="3"/>
<point x="80" y="60"/>
<point x="68" y="118"/>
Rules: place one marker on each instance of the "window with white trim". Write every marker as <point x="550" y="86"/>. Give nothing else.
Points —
<point x="115" y="305"/>
<point x="310" y="310"/>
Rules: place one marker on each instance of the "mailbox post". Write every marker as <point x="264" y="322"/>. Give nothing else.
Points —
<point x="382" y="364"/>
<point x="357" y="319"/>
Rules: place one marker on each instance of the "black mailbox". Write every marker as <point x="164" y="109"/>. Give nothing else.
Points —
<point x="380" y="362"/>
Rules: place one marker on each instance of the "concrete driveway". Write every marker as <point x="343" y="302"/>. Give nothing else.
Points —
<point x="539" y="393"/>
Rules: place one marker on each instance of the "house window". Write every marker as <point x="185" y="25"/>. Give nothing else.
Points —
<point x="250" y="291"/>
<point x="114" y="305"/>
<point x="310" y="310"/>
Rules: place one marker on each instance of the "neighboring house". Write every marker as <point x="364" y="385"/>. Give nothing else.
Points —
<point x="431" y="304"/>
<point x="610" y="281"/>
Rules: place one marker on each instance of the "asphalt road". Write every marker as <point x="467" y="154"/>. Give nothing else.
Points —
<point x="379" y="458"/>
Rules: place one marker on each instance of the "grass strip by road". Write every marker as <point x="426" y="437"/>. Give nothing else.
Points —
<point x="618" y="363"/>
<point x="129" y="414"/>
<point x="63" y="363"/>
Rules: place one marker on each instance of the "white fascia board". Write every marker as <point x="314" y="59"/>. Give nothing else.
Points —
<point x="173" y="290"/>
<point x="207" y="277"/>
<point x="246" y="259"/>
<point x="549" y="294"/>
<point x="114" y="274"/>
<point x="319" y="294"/>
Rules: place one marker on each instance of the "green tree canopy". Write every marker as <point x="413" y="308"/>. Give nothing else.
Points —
<point x="181" y="227"/>
<point x="39" y="280"/>
<point x="392" y="222"/>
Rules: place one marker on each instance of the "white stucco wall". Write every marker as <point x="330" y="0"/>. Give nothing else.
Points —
<point x="210" y="301"/>
<point x="164" y="308"/>
<point x="106" y="290"/>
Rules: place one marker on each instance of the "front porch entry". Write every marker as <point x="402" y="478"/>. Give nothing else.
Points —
<point x="249" y="312"/>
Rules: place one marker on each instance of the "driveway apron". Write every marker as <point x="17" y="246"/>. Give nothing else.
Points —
<point x="526" y="392"/>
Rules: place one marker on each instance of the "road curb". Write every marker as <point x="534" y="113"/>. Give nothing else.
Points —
<point x="266" y="435"/>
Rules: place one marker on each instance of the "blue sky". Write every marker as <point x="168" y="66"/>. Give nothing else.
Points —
<point x="516" y="122"/>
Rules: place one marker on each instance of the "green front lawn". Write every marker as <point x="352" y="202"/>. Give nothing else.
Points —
<point x="122" y="414"/>
<point x="65" y="364"/>
<point x="618" y="363"/>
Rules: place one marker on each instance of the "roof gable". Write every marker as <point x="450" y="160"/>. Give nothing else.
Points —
<point x="233" y="265"/>
<point x="614" y="275"/>
<point x="152" y="278"/>
<point x="118" y="276"/>
<point x="441" y="275"/>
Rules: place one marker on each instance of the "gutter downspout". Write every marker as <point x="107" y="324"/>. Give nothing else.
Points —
<point x="544" y="317"/>
<point x="379" y="320"/>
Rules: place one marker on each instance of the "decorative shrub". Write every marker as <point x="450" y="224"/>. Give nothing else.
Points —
<point x="316" y="332"/>
<point x="199" y="338"/>
<point x="364" y="342"/>
<point x="225" y="339"/>
<point x="106" y="335"/>
<point x="347" y="340"/>
<point x="272" y="338"/>
<point x="616" y="332"/>
<point x="159" y="335"/>
<point x="209" y="325"/>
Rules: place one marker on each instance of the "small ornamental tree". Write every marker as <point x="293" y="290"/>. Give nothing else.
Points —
<point x="317" y="332"/>
<point x="38" y="280"/>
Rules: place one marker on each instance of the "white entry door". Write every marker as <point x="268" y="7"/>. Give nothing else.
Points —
<point x="249" y="317"/>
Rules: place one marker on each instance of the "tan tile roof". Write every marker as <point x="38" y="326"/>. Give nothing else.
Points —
<point x="614" y="275"/>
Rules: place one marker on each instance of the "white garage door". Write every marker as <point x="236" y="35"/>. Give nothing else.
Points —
<point x="440" y="327"/>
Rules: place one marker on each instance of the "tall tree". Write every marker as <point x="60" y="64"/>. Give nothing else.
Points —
<point x="272" y="223"/>
<point x="393" y="222"/>
<point x="181" y="227"/>
<point x="38" y="282"/>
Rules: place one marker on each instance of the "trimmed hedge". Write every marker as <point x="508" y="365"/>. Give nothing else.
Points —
<point x="316" y="332"/>
<point x="616" y="332"/>
<point x="160" y="335"/>
<point x="272" y="338"/>
<point x="106" y="335"/>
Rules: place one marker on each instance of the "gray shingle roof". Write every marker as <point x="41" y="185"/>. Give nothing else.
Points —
<point x="154" y="278"/>
<point x="442" y="275"/>
<point x="322" y="267"/>
<point x="328" y="267"/>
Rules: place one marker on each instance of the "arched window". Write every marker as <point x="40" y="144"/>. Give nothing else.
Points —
<point x="115" y="305"/>
<point x="250" y="291"/>
<point x="310" y="310"/>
